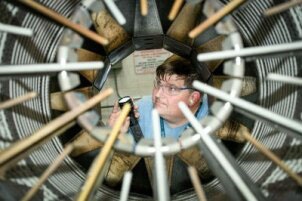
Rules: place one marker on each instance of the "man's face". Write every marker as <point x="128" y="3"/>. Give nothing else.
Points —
<point x="167" y="103"/>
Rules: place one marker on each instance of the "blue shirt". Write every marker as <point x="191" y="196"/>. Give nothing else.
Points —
<point x="145" y="107"/>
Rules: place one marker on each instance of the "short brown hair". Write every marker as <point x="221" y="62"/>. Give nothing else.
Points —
<point x="180" y="67"/>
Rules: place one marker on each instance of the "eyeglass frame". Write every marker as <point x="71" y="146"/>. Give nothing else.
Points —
<point x="157" y="85"/>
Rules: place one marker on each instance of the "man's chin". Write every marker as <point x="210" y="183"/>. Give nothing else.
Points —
<point x="160" y="113"/>
<point x="159" y="108"/>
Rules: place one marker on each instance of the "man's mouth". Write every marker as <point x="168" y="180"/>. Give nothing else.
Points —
<point x="158" y="103"/>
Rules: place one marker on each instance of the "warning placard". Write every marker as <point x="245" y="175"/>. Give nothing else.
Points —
<point x="146" y="61"/>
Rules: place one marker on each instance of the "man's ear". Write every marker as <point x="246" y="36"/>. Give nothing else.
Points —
<point x="194" y="98"/>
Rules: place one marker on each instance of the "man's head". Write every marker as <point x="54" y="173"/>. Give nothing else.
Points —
<point x="180" y="67"/>
<point x="173" y="83"/>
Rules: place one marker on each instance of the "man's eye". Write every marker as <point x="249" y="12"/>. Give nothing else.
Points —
<point x="172" y="89"/>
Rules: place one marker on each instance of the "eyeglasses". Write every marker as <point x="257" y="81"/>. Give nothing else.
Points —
<point x="169" y="89"/>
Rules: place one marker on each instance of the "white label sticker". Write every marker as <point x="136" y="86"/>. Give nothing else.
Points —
<point x="146" y="61"/>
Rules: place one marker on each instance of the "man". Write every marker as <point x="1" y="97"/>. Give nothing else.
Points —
<point x="172" y="84"/>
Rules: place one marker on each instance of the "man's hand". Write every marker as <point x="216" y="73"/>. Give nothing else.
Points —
<point x="114" y="116"/>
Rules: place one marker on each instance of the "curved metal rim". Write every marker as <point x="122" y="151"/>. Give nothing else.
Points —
<point x="221" y="111"/>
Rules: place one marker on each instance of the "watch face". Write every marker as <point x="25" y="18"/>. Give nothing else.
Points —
<point x="124" y="100"/>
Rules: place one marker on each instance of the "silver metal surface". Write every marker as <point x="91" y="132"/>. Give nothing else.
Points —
<point x="160" y="185"/>
<point x="151" y="25"/>
<point x="221" y="110"/>
<point x="254" y="52"/>
<point x="82" y="17"/>
<point x="49" y="67"/>
<point x="284" y="79"/>
<point x="16" y="30"/>
<point x="224" y="26"/>
<point x="118" y="15"/>
<point x="147" y="25"/>
<point x="92" y="5"/>
<point x="219" y="155"/>
<point x="89" y="119"/>
<point x="68" y="81"/>
<point x="145" y="147"/>
<point x="194" y="1"/>
<point x="66" y="55"/>
<point x="288" y="125"/>
<point x="255" y="30"/>
<point x="126" y="186"/>
<point x="124" y="143"/>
